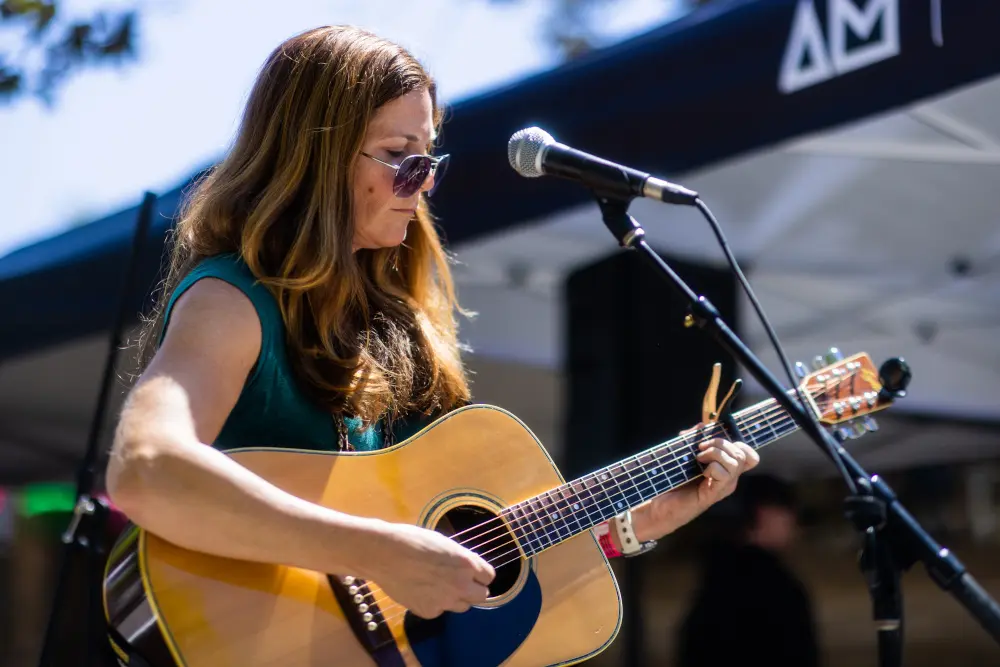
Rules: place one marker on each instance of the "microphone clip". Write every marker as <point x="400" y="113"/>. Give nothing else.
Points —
<point x="626" y="229"/>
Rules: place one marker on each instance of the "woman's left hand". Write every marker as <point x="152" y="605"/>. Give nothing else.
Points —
<point x="723" y="463"/>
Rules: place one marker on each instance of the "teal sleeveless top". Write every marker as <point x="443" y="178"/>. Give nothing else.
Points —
<point x="271" y="410"/>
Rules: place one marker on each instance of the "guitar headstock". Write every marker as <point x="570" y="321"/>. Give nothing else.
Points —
<point x="846" y="391"/>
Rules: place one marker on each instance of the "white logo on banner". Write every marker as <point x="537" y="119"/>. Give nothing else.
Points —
<point x="812" y="57"/>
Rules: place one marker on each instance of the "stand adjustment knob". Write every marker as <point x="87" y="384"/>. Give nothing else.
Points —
<point x="895" y="375"/>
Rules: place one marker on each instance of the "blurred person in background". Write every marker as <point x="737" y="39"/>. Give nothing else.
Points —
<point x="309" y="304"/>
<point x="749" y="607"/>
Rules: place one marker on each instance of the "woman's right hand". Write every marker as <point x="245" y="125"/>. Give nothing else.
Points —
<point x="427" y="572"/>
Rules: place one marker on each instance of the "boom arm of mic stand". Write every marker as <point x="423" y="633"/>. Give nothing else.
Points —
<point x="909" y="541"/>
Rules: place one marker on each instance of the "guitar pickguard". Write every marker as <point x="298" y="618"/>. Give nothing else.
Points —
<point x="480" y="637"/>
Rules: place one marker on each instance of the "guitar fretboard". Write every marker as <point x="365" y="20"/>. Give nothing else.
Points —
<point x="566" y="511"/>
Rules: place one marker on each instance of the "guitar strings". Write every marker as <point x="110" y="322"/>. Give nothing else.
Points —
<point x="672" y="450"/>
<point x="394" y="606"/>
<point x="671" y="447"/>
<point x="533" y="509"/>
<point x="673" y="458"/>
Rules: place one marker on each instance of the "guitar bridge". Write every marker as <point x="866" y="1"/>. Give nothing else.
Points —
<point x="365" y="618"/>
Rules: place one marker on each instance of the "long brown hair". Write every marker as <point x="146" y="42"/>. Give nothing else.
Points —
<point x="371" y="332"/>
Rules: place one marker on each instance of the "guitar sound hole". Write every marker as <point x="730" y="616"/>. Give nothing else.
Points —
<point x="487" y="535"/>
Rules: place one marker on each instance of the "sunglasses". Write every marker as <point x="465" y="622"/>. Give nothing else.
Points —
<point x="413" y="172"/>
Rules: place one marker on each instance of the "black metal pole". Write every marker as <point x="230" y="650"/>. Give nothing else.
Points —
<point x="83" y="537"/>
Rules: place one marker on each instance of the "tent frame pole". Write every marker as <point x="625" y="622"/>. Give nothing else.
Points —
<point x="84" y="537"/>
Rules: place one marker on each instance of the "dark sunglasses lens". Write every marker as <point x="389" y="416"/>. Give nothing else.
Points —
<point x="411" y="175"/>
<point x="442" y="167"/>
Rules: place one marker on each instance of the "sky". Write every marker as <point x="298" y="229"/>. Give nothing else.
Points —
<point x="116" y="132"/>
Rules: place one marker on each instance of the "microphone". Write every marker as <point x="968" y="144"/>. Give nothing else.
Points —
<point x="533" y="152"/>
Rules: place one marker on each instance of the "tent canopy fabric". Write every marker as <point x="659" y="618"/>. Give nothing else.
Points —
<point x="732" y="77"/>
<point x="849" y="148"/>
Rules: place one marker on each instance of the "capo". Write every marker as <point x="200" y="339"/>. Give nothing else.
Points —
<point x="711" y="413"/>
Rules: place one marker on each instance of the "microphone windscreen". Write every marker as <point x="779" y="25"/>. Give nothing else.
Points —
<point x="523" y="150"/>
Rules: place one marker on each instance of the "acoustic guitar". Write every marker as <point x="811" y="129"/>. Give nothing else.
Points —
<point x="478" y="475"/>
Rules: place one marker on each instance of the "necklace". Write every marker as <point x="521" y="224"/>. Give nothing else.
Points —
<point x="344" y="441"/>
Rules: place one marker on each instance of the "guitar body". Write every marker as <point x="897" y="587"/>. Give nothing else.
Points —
<point x="558" y="607"/>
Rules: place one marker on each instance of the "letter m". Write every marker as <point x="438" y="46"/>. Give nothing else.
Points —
<point x="844" y="15"/>
<point x="809" y="60"/>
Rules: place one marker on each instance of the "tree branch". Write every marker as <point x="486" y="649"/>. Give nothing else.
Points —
<point x="53" y="47"/>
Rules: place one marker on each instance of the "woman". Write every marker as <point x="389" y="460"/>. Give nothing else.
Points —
<point x="310" y="305"/>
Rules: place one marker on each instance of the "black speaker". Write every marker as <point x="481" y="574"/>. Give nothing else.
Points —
<point x="635" y="375"/>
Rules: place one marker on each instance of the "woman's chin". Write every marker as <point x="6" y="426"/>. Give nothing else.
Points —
<point x="398" y="237"/>
<point x="389" y="241"/>
<point x="389" y="236"/>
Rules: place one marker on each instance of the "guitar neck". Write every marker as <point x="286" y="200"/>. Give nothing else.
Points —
<point x="566" y="511"/>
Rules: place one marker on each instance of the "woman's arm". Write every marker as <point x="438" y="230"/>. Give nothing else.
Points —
<point x="163" y="476"/>
<point x="166" y="480"/>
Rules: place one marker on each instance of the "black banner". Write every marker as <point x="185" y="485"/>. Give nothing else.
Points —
<point x="729" y="78"/>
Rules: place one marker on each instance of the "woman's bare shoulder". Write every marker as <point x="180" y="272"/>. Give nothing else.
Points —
<point x="211" y="344"/>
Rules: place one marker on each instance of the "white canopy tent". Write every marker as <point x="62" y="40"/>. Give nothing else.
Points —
<point x="881" y="236"/>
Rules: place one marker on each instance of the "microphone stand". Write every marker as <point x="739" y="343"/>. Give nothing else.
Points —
<point x="893" y="540"/>
<point x="85" y="532"/>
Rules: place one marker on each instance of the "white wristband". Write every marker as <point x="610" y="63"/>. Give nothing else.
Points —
<point x="630" y="545"/>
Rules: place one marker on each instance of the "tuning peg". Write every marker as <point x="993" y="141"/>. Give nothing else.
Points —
<point x="818" y="362"/>
<point x="859" y="428"/>
<point x="834" y="355"/>
<point x="870" y="423"/>
<point x="844" y="433"/>
<point x="800" y="369"/>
